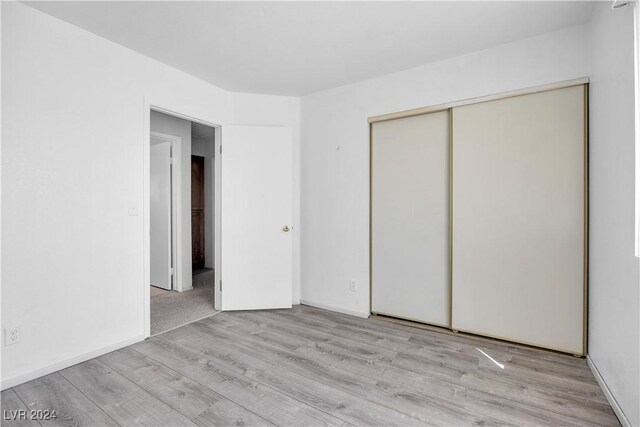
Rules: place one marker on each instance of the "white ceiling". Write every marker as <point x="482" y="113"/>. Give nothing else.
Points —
<point x="296" y="48"/>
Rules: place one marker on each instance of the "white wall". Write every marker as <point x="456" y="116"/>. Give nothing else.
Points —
<point x="613" y="269"/>
<point x="73" y="123"/>
<point x="170" y="125"/>
<point x="209" y="202"/>
<point x="198" y="147"/>
<point x="335" y="148"/>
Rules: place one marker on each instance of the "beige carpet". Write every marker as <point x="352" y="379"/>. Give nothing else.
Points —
<point x="171" y="309"/>
<point x="155" y="291"/>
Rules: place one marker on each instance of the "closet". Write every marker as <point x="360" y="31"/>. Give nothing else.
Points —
<point x="410" y="206"/>
<point x="479" y="217"/>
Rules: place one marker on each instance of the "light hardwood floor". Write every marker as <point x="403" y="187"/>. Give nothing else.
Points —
<point x="308" y="366"/>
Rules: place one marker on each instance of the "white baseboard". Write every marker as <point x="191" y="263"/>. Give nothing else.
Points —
<point x="336" y="309"/>
<point x="23" y="378"/>
<point x="607" y="393"/>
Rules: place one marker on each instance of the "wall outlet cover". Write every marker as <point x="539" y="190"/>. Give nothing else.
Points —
<point x="11" y="335"/>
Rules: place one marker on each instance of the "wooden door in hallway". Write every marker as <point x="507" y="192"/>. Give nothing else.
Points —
<point x="197" y="212"/>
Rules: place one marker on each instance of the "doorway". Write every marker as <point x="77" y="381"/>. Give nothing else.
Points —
<point x="181" y="221"/>
<point x="254" y="224"/>
<point x="198" y="237"/>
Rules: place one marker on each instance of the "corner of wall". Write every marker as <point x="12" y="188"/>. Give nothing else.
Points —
<point x="614" y="271"/>
<point x="607" y="393"/>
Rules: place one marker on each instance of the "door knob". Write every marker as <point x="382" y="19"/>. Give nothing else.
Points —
<point x="286" y="228"/>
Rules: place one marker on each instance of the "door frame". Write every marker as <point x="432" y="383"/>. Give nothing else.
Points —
<point x="175" y="142"/>
<point x="148" y="106"/>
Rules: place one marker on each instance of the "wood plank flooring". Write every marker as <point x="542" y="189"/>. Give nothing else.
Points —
<point x="308" y="367"/>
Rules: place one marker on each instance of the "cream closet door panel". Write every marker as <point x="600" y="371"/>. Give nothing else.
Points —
<point x="518" y="219"/>
<point x="410" y="232"/>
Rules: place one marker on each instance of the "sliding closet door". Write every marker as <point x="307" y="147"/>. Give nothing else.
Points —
<point x="410" y="218"/>
<point x="519" y="219"/>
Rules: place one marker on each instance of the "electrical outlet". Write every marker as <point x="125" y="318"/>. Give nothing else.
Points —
<point x="11" y="335"/>
<point x="353" y="285"/>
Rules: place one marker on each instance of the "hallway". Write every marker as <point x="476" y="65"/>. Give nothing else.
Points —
<point x="170" y="309"/>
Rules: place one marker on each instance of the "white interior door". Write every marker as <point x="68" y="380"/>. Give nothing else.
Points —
<point x="256" y="212"/>
<point x="410" y="218"/>
<point x="160" y="213"/>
